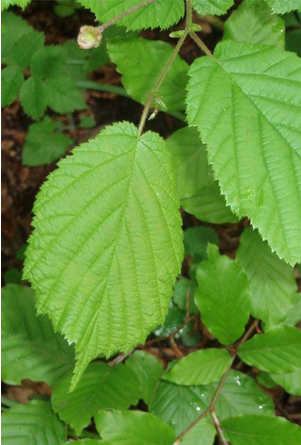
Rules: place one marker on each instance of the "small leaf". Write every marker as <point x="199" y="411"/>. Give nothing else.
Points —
<point x="255" y="24"/>
<point x="109" y="275"/>
<point x="13" y="28"/>
<point x="272" y="280"/>
<point x="43" y="145"/>
<point x="29" y="344"/>
<point x="293" y="317"/>
<point x="25" y="48"/>
<point x="140" y="62"/>
<point x="63" y="96"/>
<point x="277" y="351"/>
<point x="200" y="367"/>
<point x="160" y="14"/>
<point x="101" y="387"/>
<point x="212" y="7"/>
<point x="223" y="296"/>
<point x="197" y="189"/>
<point x="11" y="82"/>
<point x="133" y="427"/>
<point x="252" y="135"/>
<point x="177" y="405"/>
<point x="33" y="97"/>
<point x="32" y="423"/>
<point x="251" y="430"/>
<point x="291" y="381"/>
<point x="7" y="3"/>
<point x="148" y="370"/>
<point x="182" y="288"/>
<point x="196" y="241"/>
<point x="281" y="7"/>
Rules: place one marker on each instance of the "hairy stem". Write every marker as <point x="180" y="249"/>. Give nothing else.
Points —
<point x="188" y="13"/>
<point x="201" y="44"/>
<point x="125" y="14"/>
<point x="159" y="82"/>
<point x="211" y="407"/>
<point x="218" y="427"/>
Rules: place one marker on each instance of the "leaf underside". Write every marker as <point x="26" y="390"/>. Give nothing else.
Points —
<point x="107" y="244"/>
<point x="253" y="135"/>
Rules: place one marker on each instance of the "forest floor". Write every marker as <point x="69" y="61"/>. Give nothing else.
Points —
<point x="20" y="184"/>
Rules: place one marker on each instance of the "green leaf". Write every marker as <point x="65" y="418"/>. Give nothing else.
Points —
<point x="7" y="3"/>
<point x="48" y="62"/>
<point x="43" y="145"/>
<point x="32" y="423"/>
<point x="26" y="47"/>
<point x="255" y="24"/>
<point x="133" y="427"/>
<point x="241" y="395"/>
<point x="148" y="370"/>
<point x="13" y="276"/>
<point x="88" y="442"/>
<point x="109" y="274"/>
<point x="87" y="121"/>
<point x="202" y="433"/>
<point x="251" y="430"/>
<point x="281" y="7"/>
<point x="101" y="387"/>
<point x="175" y="317"/>
<point x="200" y="367"/>
<point x="29" y="344"/>
<point x="294" y="315"/>
<point x="291" y="381"/>
<point x="140" y="62"/>
<point x="63" y="96"/>
<point x="11" y="82"/>
<point x="198" y="191"/>
<point x="177" y="405"/>
<point x="223" y="296"/>
<point x="277" y="351"/>
<point x="212" y="7"/>
<point x="196" y="241"/>
<point x="161" y="14"/>
<point x="252" y="135"/>
<point x="13" y="28"/>
<point x="272" y="280"/>
<point x="181" y="289"/>
<point x="33" y="97"/>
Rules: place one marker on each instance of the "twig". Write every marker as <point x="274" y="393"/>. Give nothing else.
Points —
<point x="166" y="337"/>
<point x="201" y="44"/>
<point x="218" y="427"/>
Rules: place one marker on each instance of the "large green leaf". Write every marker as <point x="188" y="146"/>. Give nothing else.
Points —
<point x="62" y="95"/>
<point x="202" y="433"/>
<point x="281" y="7"/>
<point x="179" y="405"/>
<point x="255" y="24"/>
<point x="133" y="428"/>
<point x="32" y="423"/>
<point x="13" y="28"/>
<point x="43" y="145"/>
<point x="140" y="62"/>
<point x="101" y="387"/>
<point x="241" y="395"/>
<point x="148" y="370"/>
<point x="30" y="348"/>
<point x="7" y="3"/>
<point x="11" y="82"/>
<point x="33" y="97"/>
<point x="254" y="430"/>
<point x="200" y="367"/>
<point x="277" y="351"/>
<point x="272" y="280"/>
<point x="212" y="7"/>
<point x="105" y="276"/>
<point x="161" y="14"/>
<point x="223" y="296"/>
<point x="252" y="134"/>
<point x="198" y="191"/>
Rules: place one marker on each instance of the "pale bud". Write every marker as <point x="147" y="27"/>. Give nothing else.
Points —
<point x="89" y="37"/>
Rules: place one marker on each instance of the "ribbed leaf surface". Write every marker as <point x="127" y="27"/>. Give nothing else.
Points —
<point x="213" y="7"/>
<point x="272" y="280"/>
<point x="140" y="62"/>
<point x="30" y="349"/>
<point x="107" y="244"/>
<point x="160" y="14"/>
<point x="253" y="134"/>
<point x="32" y="423"/>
